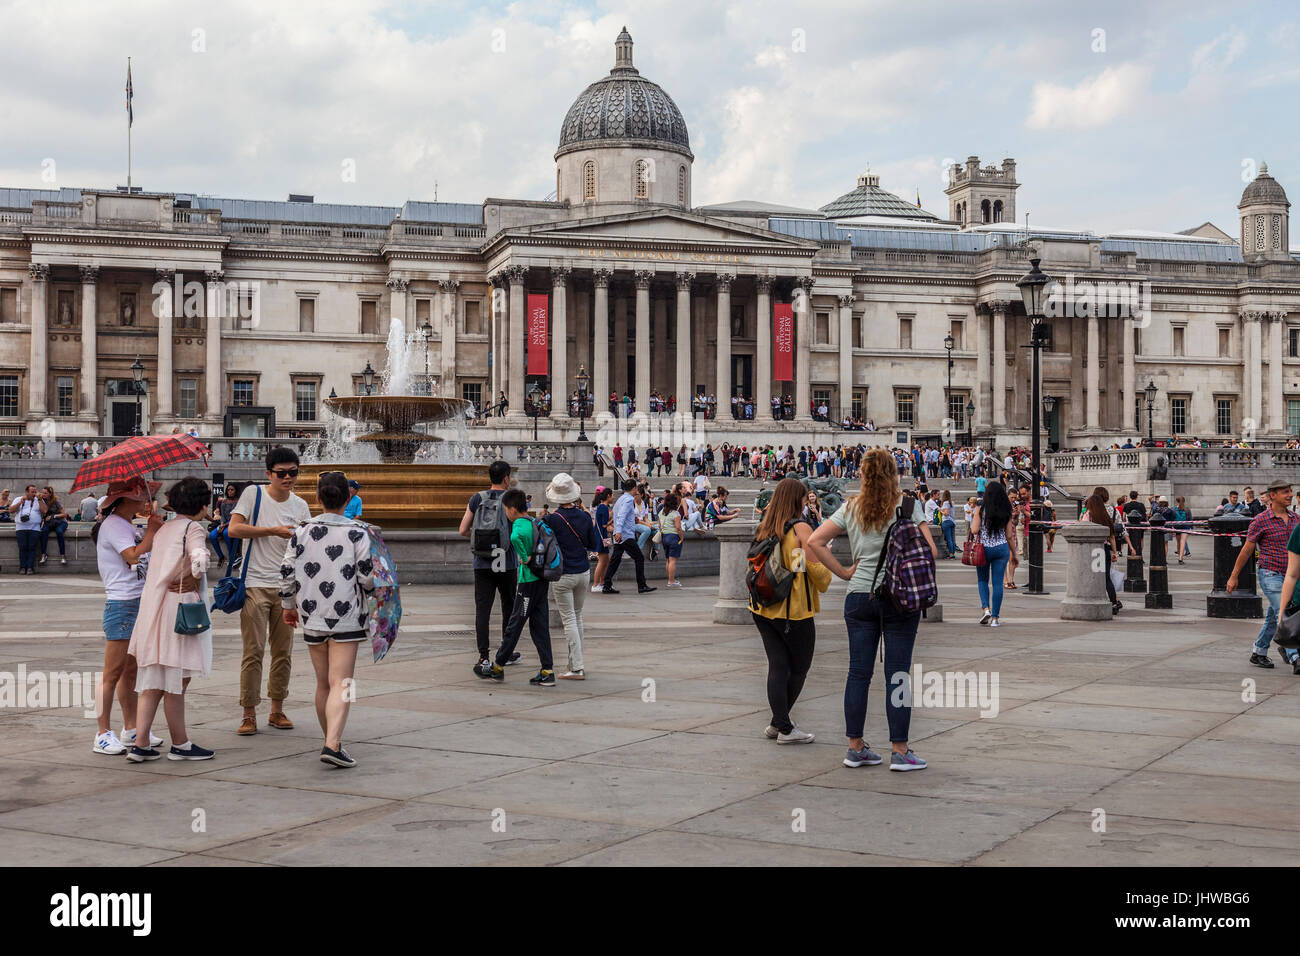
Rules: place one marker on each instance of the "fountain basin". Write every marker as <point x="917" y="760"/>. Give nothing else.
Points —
<point x="404" y="496"/>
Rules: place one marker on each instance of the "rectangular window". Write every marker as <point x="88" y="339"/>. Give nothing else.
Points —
<point x="1225" y="340"/>
<point x="1223" y="416"/>
<point x="859" y="403"/>
<point x="241" y="391"/>
<point x="1137" y="413"/>
<point x="1178" y="416"/>
<point x="1292" y="410"/>
<point x="737" y="322"/>
<point x="957" y="328"/>
<point x="906" y="408"/>
<point x="9" y="305"/>
<point x="905" y="331"/>
<point x="1137" y="341"/>
<point x="1293" y="342"/>
<point x="305" y="401"/>
<point x="9" y="396"/>
<point x="65" y="389"/>
<point x="822" y="336"/>
<point x="820" y="397"/>
<point x="473" y="392"/>
<point x="369" y="316"/>
<point x="474" y="318"/>
<point x="1047" y="334"/>
<point x="307" y="316"/>
<point x="189" y="392"/>
<point x="857" y="331"/>
<point x="1180" y="340"/>
<point x="423" y="309"/>
<point x="957" y="410"/>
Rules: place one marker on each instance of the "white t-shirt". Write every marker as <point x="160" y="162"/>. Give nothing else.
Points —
<point x="121" y="581"/>
<point x="264" y="554"/>
<point x="701" y="483"/>
<point x="28" y="515"/>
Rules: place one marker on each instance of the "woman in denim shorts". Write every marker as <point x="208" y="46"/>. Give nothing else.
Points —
<point x="122" y="553"/>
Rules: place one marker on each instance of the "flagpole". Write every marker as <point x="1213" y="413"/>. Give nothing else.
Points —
<point x="128" y="132"/>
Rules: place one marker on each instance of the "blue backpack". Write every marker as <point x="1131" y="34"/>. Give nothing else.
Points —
<point x="545" y="560"/>
<point x="230" y="593"/>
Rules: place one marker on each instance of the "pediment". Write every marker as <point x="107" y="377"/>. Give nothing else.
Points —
<point x="667" y="227"/>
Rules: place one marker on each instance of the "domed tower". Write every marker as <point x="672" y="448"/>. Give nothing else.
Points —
<point x="1265" y="221"/>
<point x="624" y="140"/>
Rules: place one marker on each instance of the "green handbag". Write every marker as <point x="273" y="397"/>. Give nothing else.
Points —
<point x="190" y="618"/>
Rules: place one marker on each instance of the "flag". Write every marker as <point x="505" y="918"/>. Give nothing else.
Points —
<point x="918" y="199"/>
<point x="130" y="114"/>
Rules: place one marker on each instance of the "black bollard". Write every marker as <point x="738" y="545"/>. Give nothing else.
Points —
<point x="1134" y="582"/>
<point x="1244" y="602"/>
<point x="1158" y="595"/>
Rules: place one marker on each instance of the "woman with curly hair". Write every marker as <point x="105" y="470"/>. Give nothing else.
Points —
<point x="867" y="518"/>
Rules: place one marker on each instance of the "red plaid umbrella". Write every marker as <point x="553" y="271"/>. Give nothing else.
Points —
<point x="135" y="456"/>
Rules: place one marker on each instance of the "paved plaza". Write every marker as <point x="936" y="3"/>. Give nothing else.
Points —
<point x="1142" y="718"/>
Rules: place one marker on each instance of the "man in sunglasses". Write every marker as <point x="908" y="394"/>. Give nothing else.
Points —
<point x="261" y="621"/>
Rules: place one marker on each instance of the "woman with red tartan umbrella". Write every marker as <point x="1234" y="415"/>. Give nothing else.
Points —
<point x="133" y="457"/>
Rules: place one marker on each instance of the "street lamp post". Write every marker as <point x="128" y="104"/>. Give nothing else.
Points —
<point x="1049" y="403"/>
<point x="368" y="378"/>
<point x="1151" y="408"/>
<point x="137" y="376"/>
<point x="970" y="419"/>
<point x="535" y="396"/>
<point x="948" y="343"/>
<point x="427" y="331"/>
<point x="583" y="380"/>
<point x="1032" y="286"/>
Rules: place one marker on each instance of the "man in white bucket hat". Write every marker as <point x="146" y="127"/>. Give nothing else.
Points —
<point x="575" y="535"/>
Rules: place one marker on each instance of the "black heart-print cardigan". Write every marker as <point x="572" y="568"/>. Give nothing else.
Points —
<point x="326" y="574"/>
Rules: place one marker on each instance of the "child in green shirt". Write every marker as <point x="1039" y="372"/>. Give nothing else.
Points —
<point x="531" y="603"/>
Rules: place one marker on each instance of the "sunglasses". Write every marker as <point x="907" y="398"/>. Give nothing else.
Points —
<point x="291" y="473"/>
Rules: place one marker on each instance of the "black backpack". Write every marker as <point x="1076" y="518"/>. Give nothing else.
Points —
<point x="490" y="532"/>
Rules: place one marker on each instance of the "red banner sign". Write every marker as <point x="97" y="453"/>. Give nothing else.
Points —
<point x="783" y="342"/>
<point x="537" y="331"/>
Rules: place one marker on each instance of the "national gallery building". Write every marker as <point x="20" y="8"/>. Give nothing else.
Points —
<point x="244" y="315"/>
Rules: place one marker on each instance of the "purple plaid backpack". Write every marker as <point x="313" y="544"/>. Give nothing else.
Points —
<point x="909" y="583"/>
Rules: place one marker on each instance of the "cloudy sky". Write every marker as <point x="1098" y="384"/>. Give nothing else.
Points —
<point x="1131" y="115"/>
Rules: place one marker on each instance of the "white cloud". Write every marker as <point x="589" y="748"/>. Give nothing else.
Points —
<point x="1217" y="55"/>
<point x="1094" y="102"/>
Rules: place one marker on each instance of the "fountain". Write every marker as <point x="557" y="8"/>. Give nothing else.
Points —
<point x="400" y="491"/>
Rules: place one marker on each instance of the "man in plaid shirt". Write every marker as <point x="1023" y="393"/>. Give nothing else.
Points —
<point x="1269" y="531"/>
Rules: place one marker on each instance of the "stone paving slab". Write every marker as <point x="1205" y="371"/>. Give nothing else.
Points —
<point x="670" y="847"/>
<point x="29" y="848"/>
<point x="509" y="736"/>
<point x="1207" y="799"/>
<point x="1242" y="759"/>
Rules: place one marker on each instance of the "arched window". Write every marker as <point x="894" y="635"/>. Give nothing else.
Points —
<point x="986" y="212"/>
<point x="997" y="210"/>
<point x="681" y="185"/>
<point x="641" y="173"/>
<point x="589" y="181"/>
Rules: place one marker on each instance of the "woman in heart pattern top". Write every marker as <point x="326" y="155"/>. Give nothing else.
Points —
<point x="325" y="576"/>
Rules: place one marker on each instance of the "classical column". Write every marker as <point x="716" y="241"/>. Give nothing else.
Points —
<point x="763" y="352"/>
<point x="214" y="374"/>
<point x="166" y="313"/>
<point x="802" y="347"/>
<point x="89" y="345"/>
<point x="846" y="355"/>
<point x="494" y="354"/>
<point x="1000" y="363"/>
<point x="724" y="280"/>
<point x="1094" y="374"/>
<point x="1247" y="358"/>
<point x="448" y="300"/>
<point x="983" y="383"/>
<point x="659" y="361"/>
<point x="1256" y="369"/>
<point x="515" y="381"/>
<point x="600" y="342"/>
<point x="397" y="303"/>
<point x="642" y="396"/>
<point x="1128" y="402"/>
<point x="618" y="357"/>
<point x="37" y="360"/>
<point x="560" y="340"/>
<point x="684" y="390"/>
<point x="1276" y="411"/>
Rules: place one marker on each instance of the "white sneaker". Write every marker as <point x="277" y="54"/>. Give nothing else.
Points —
<point x="107" y="743"/>
<point x="128" y="738"/>
<point x="986" y="617"/>
<point x="795" y="736"/>
<point x="675" y="584"/>
<point x="994" y="623"/>
<point x="596" y="589"/>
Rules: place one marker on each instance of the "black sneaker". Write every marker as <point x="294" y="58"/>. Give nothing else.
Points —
<point x="1260" y="660"/>
<point x="608" y="590"/>
<point x="489" y="671"/>
<point x="646" y="590"/>
<point x="195" y="752"/>
<point x="1295" y="666"/>
<point x="139" y="755"/>
<point x="514" y="658"/>
<point x="543" y="679"/>
<point x="339" y="758"/>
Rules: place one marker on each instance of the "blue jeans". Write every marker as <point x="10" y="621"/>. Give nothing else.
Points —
<point x="995" y="565"/>
<point x="863" y="615"/>
<point x="643" y="533"/>
<point x="57" y="529"/>
<point x="219" y="534"/>
<point x="950" y="535"/>
<point x="28" y="543"/>
<point x="1270" y="583"/>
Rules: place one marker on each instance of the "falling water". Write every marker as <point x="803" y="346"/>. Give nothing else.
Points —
<point x="397" y="373"/>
